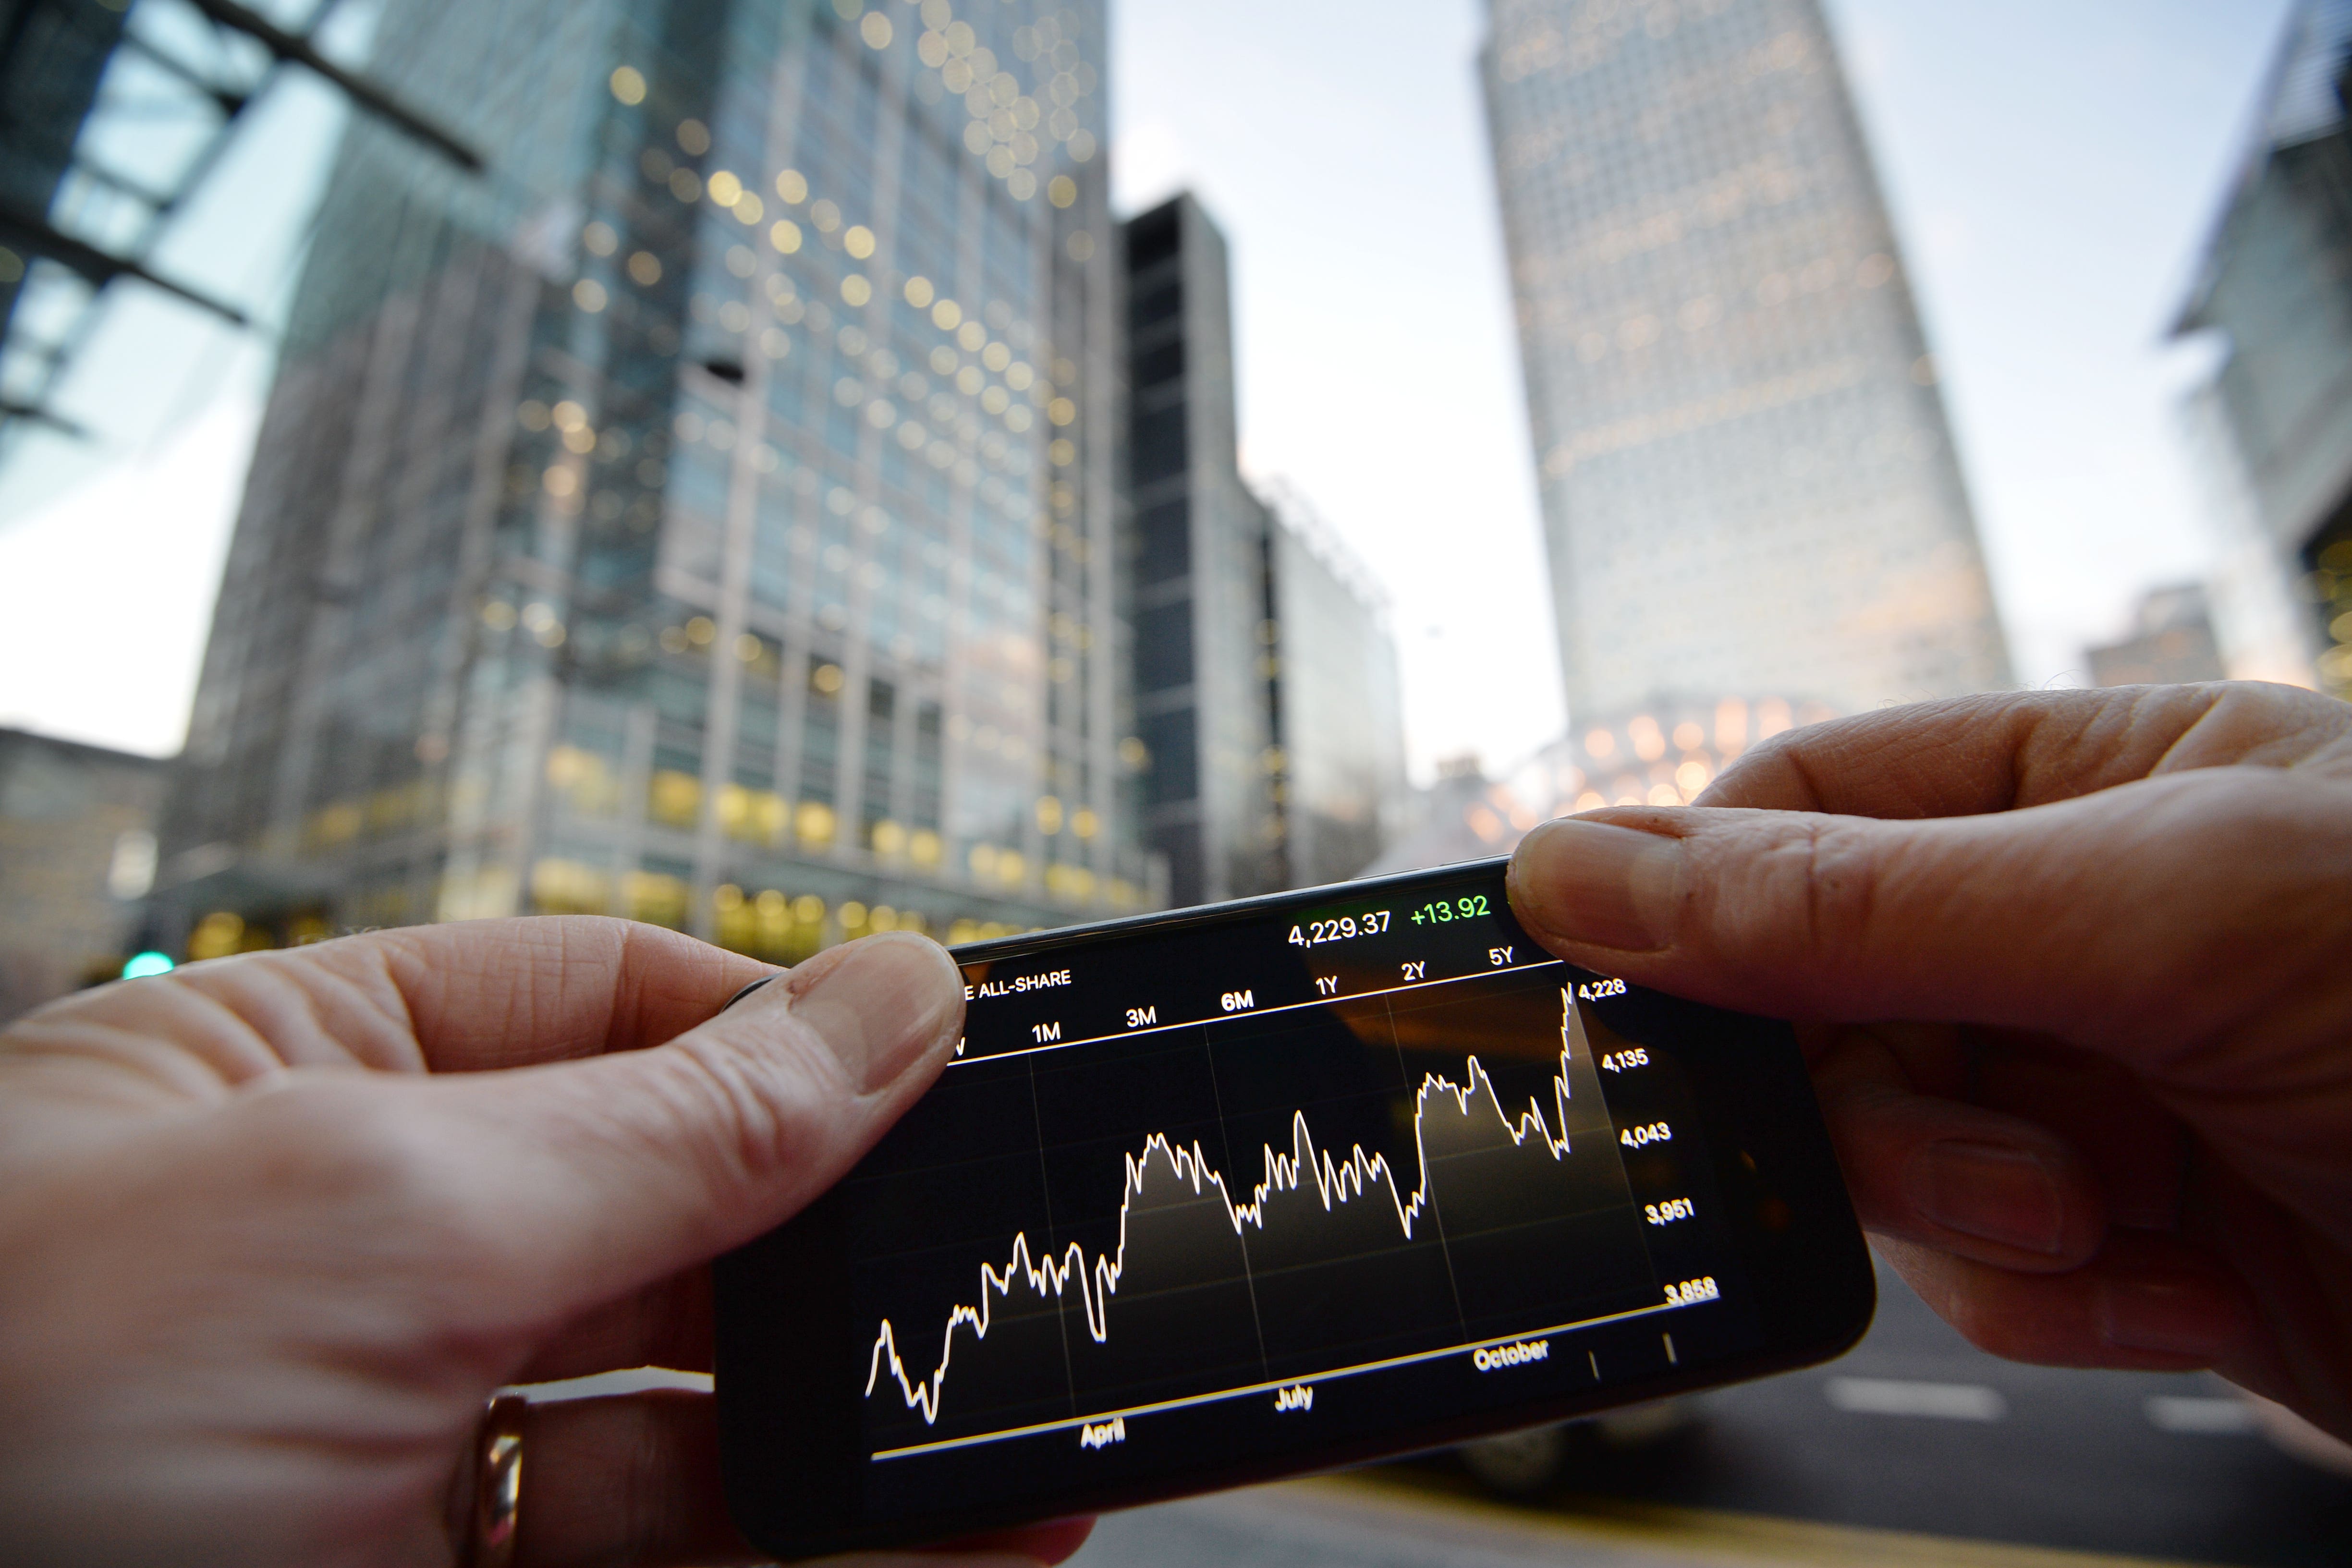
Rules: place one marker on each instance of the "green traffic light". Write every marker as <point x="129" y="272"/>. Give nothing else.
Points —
<point x="148" y="963"/>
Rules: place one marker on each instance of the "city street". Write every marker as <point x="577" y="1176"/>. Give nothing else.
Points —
<point x="1915" y="1448"/>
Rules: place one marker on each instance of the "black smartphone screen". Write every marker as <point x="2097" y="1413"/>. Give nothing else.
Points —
<point x="1272" y="1186"/>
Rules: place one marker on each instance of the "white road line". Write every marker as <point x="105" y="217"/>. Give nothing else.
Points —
<point x="2221" y="1417"/>
<point x="1893" y="1397"/>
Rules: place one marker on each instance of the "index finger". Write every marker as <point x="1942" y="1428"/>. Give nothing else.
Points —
<point x="460" y="998"/>
<point x="508" y="993"/>
<point x="1999" y="750"/>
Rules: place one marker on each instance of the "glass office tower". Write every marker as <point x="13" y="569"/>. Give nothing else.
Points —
<point x="2272" y="428"/>
<point x="1202" y="717"/>
<point x="53" y="56"/>
<point x="1267" y="713"/>
<point x="1338" y="779"/>
<point x="706" y="517"/>
<point x="1747" y="479"/>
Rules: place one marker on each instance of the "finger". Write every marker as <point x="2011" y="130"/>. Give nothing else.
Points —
<point x="636" y="1479"/>
<point x="1965" y="1180"/>
<point x="506" y="993"/>
<point x="1999" y="750"/>
<point x="633" y="1478"/>
<point x="579" y="1182"/>
<point x="2055" y="918"/>
<point x="2303" y="1292"/>
<point x="2136" y="1149"/>
<point x="1054" y="1541"/>
<point x="457" y="997"/>
<point x="667" y="1324"/>
<point x="2146" y="1303"/>
<point x="1934" y="1058"/>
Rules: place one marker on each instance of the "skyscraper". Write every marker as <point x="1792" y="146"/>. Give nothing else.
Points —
<point x="1201" y="710"/>
<point x="76" y="851"/>
<point x="2170" y="642"/>
<point x="1339" y="782"/>
<point x="2273" y="426"/>
<point x="1265" y="683"/>
<point x="52" y="58"/>
<point x="704" y="517"/>
<point x="1747" y="482"/>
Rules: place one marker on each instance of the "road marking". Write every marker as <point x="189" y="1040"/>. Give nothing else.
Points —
<point x="2224" y="1417"/>
<point x="1893" y="1396"/>
<point x="1660" y="1535"/>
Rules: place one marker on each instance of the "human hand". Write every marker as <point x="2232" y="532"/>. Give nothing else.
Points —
<point x="274" y="1227"/>
<point x="2082" y="1013"/>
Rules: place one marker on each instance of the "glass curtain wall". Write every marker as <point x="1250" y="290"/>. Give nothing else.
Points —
<point x="707" y="516"/>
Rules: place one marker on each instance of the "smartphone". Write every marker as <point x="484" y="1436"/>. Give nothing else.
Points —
<point x="1210" y="1198"/>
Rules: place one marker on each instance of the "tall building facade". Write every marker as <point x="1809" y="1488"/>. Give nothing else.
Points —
<point x="1199" y="569"/>
<point x="77" y="852"/>
<point x="2170" y="642"/>
<point x="1747" y="478"/>
<point x="707" y="515"/>
<point x="1267" y="710"/>
<point x="1337" y="710"/>
<point x="2272" y="430"/>
<point x="53" y="54"/>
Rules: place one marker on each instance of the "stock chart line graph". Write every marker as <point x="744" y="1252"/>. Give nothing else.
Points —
<point x="1472" y="1156"/>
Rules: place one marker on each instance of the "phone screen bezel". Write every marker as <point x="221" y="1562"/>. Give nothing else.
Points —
<point x="790" y="1422"/>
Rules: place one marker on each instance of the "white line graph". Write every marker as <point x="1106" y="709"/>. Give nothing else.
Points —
<point x="1336" y="1182"/>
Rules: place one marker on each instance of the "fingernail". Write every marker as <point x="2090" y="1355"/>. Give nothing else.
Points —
<point x="1988" y="1190"/>
<point x="1591" y="881"/>
<point x="880" y="1006"/>
<point x="2183" y="1315"/>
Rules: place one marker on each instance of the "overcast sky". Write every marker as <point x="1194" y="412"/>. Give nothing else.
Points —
<point x="2052" y="167"/>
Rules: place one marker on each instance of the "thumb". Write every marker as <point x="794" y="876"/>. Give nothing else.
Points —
<point x="605" y="1174"/>
<point x="2056" y="918"/>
